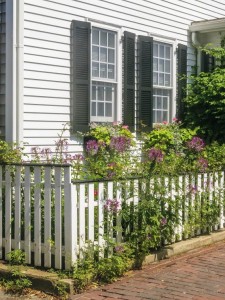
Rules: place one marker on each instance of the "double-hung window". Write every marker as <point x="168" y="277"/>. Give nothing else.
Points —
<point x="144" y="66"/>
<point x="103" y="75"/>
<point x="162" y="82"/>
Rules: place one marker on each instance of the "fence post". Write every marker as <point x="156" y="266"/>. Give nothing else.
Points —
<point x="58" y="218"/>
<point x="27" y="214"/>
<point x="37" y="216"/>
<point x="70" y="220"/>
<point x="47" y="216"/>
<point x="8" y="211"/>
<point x="18" y="208"/>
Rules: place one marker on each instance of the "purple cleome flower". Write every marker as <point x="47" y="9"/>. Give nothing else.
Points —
<point x="62" y="145"/>
<point x="92" y="147"/>
<point x="78" y="157"/>
<point x="112" y="205"/>
<point x="163" y="221"/>
<point x="119" y="249"/>
<point x="120" y="143"/>
<point x="196" y="143"/>
<point x="193" y="189"/>
<point x="155" y="154"/>
<point x="202" y="164"/>
<point x="46" y="153"/>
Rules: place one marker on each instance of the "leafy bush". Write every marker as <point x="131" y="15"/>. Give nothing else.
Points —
<point x="108" y="151"/>
<point x="9" y="154"/>
<point x="17" y="281"/>
<point x="205" y="104"/>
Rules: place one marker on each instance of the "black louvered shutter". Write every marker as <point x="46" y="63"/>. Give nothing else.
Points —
<point x="129" y="79"/>
<point x="182" y="80"/>
<point x="146" y="80"/>
<point x="207" y="62"/>
<point x="81" y="75"/>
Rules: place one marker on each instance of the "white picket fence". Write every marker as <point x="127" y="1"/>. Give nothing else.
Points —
<point x="43" y="213"/>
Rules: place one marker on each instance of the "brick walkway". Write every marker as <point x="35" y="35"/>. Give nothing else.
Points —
<point x="196" y="275"/>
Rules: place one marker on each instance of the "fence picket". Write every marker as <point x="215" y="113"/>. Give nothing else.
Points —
<point x="1" y="214"/>
<point x="173" y="198"/>
<point x="82" y="219"/>
<point x="180" y="194"/>
<point x="110" y="196"/>
<point x="17" y="200"/>
<point x="70" y="229"/>
<point x="91" y="217"/>
<point x="37" y="216"/>
<point x="58" y="218"/>
<point x="199" y="189"/>
<point x="100" y="215"/>
<point x="27" y="215"/>
<point x="186" y="192"/>
<point x="47" y="217"/>
<point x="216" y="195"/>
<point x="118" y="217"/>
<point x="8" y="210"/>
<point x="221" y="196"/>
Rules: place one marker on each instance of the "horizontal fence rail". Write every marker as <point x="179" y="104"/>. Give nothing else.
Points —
<point x="52" y="219"/>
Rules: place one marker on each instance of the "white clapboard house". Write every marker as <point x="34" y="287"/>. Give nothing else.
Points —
<point x="82" y="61"/>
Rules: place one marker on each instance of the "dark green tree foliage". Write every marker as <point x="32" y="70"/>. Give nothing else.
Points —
<point x="205" y="104"/>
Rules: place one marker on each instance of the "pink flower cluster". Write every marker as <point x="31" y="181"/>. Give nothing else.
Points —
<point x="155" y="154"/>
<point x="202" y="164"/>
<point x="92" y="147"/>
<point x="120" y="143"/>
<point x="112" y="205"/>
<point x="196" y="143"/>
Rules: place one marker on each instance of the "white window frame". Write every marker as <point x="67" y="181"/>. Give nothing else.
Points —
<point x="173" y="43"/>
<point x="117" y="109"/>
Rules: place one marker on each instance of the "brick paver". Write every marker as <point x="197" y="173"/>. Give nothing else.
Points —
<point x="199" y="275"/>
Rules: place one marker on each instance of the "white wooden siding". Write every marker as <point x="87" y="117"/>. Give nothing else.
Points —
<point x="47" y="49"/>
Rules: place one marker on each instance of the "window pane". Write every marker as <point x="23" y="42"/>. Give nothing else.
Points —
<point x="93" y="109"/>
<point x="111" y="40"/>
<point x="95" y="37"/>
<point x="111" y="72"/>
<point x="167" y="66"/>
<point x="93" y="92"/>
<point x="161" y="65"/>
<point x="154" y="102"/>
<point x="159" y="102"/>
<point x="165" y="116"/>
<point x="161" y="51"/>
<point x="108" y="110"/>
<point x="103" y="40"/>
<point x="101" y="93"/>
<point x="101" y="109"/>
<point x="165" y="103"/>
<point x="168" y="52"/>
<point x="161" y="79"/>
<point x="95" y="69"/>
<point x="155" y="78"/>
<point x="103" y="54"/>
<point x="95" y="53"/>
<point x="159" y="118"/>
<point x="103" y="70"/>
<point x="108" y="94"/>
<point x="167" y="80"/>
<point x="154" y="117"/>
<point x="155" y="64"/>
<point x="111" y="57"/>
<point x="155" y="50"/>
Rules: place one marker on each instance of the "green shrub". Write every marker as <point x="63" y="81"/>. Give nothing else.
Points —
<point x="9" y="154"/>
<point x="205" y="105"/>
